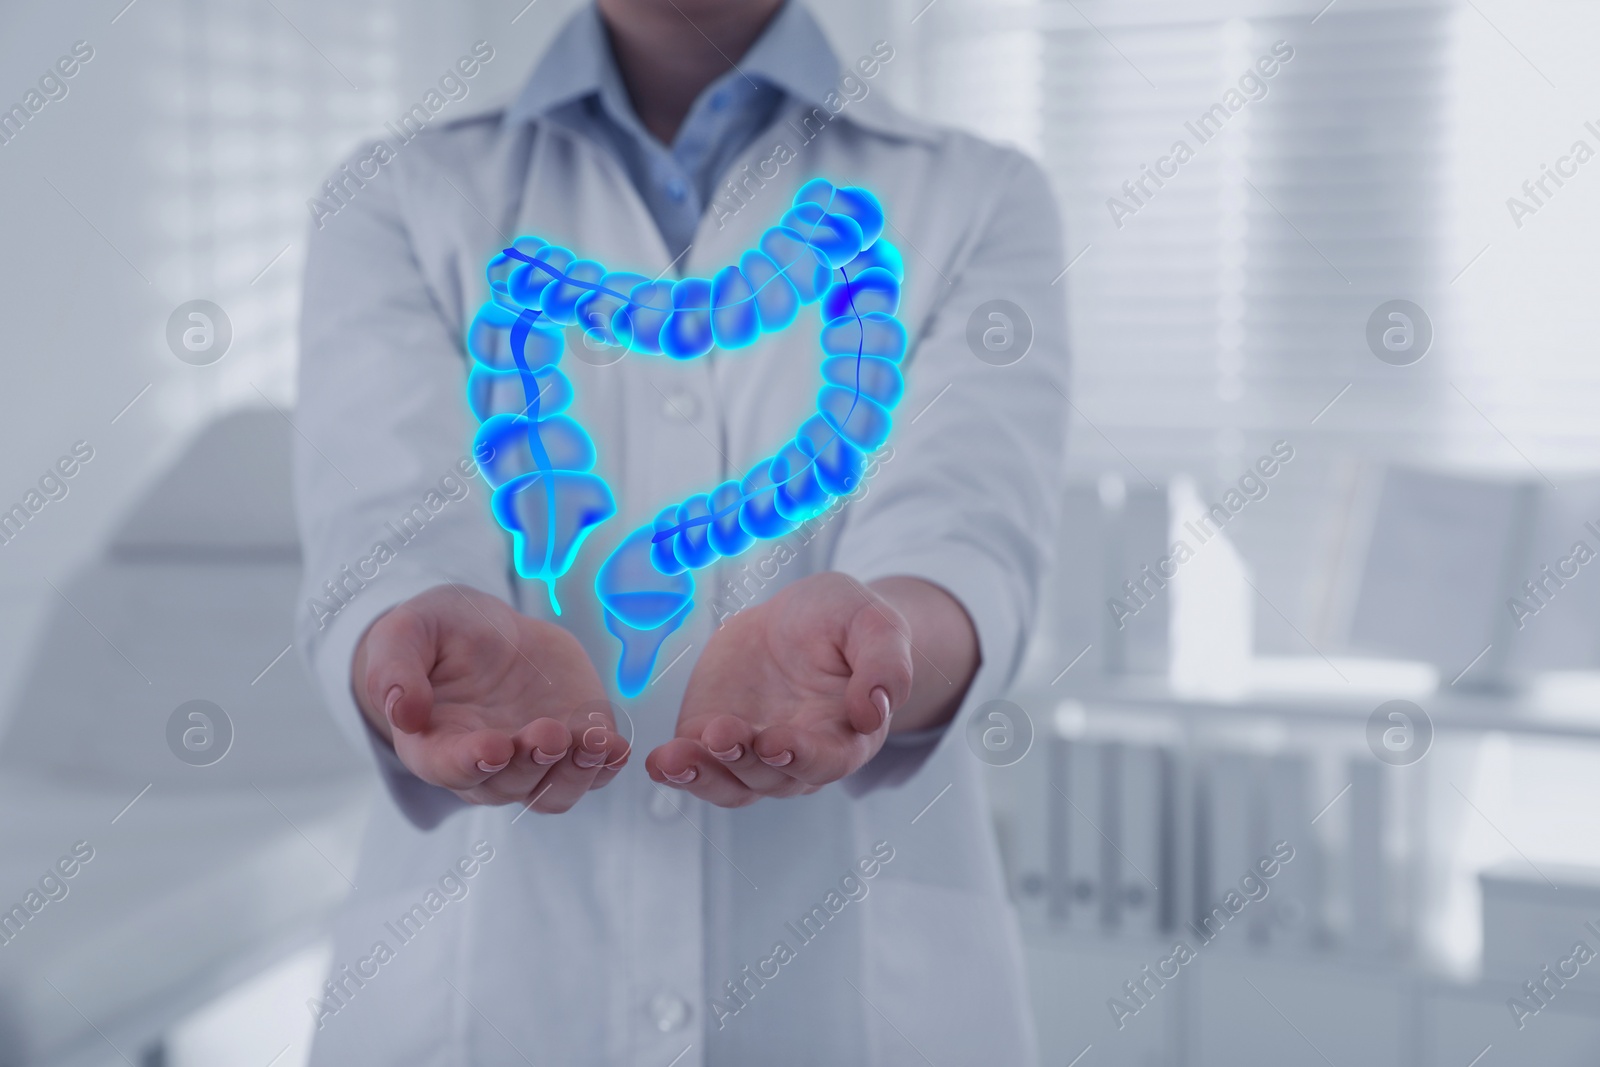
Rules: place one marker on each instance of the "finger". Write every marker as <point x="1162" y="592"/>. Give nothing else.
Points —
<point x="599" y="740"/>
<point x="401" y="649"/>
<point x="595" y="723"/>
<point x="686" y="765"/>
<point x="457" y="761"/>
<point x="676" y="762"/>
<point x="731" y="741"/>
<point x="878" y="650"/>
<point x="617" y="757"/>
<point x="616" y="754"/>
<point x="575" y="774"/>
<point x="810" y="756"/>
<point x="538" y="746"/>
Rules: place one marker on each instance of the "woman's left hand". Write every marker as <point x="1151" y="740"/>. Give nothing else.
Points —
<point x="790" y="694"/>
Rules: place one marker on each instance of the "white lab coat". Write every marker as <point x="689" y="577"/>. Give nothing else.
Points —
<point x="607" y="934"/>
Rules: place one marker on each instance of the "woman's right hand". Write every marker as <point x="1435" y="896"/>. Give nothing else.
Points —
<point x="486" y="702"/>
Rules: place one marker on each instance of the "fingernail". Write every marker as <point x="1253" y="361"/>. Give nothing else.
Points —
<point x="782" y="759"/>
<point x="586" y="759"/>
<point x="395" y="693"/>
<point x="488" y="768"/>
<point x="729" y="755"/>
<point x="544" y="759"/>
<point x="880" y="697"/>
<point x="683" y="779"/>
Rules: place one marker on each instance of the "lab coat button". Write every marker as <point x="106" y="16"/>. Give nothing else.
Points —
<point x="669" y="1012"/>
<point x="681" y="406"/>
<point x="661" y="806"/>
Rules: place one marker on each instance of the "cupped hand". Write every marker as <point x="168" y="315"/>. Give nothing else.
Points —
<point x="497" y="707"/>
<point x="790" y="694"/>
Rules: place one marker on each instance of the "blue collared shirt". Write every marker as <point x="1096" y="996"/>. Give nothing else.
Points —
<point x="578" y="84"/>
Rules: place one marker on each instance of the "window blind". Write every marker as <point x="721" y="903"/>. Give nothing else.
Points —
<point x="251" y="106"/>
<point x="1218" y="297"/>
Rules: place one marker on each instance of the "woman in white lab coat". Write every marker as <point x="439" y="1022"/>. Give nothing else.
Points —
<point x="755" y="863"/>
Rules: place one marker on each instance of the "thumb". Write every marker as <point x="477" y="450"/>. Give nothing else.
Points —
<point x="400" y="650"/>
<point x="878" y="651"/>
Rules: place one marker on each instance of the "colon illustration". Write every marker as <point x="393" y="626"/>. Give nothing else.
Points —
<point x="826" y="250"/>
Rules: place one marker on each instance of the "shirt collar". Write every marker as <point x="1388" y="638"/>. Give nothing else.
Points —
<point x="792" y="54"/>
<point x="574" y="66"/>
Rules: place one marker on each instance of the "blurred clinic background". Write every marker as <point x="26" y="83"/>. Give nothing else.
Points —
<point x="1341" y="351"/>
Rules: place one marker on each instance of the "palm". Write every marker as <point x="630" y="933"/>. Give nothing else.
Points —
<point x="782" y="699"/>
<point x="487" y="702"/>
<point x="500" y="677"/>
<point x="776" y="663"/>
